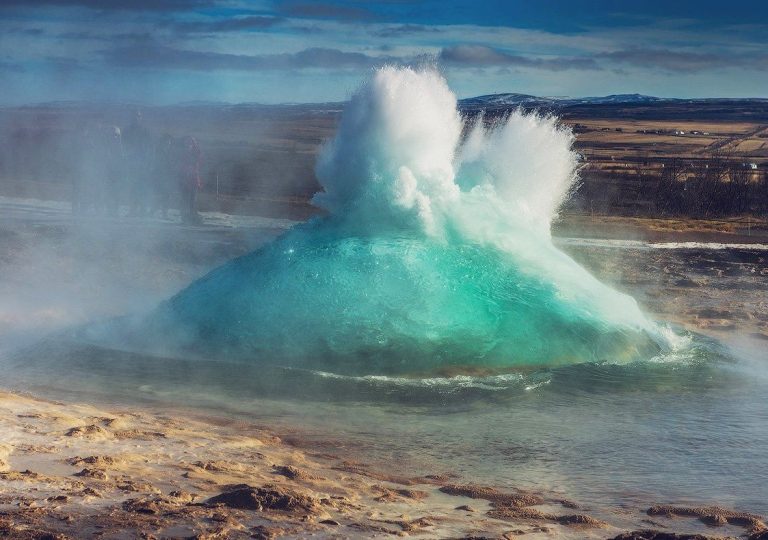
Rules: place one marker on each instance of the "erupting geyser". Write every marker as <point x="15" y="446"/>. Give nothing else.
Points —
<point x="435" y="254"/>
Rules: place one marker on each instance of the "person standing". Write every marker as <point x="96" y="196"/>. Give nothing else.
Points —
<point x="163" y="174"/>
<point x="189" y="179"/>
<point x="85" y="187"/>
<point x="138" y="153"/>
<point x="112" y="169"/>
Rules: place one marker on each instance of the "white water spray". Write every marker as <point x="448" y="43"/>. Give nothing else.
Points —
<point x="436" y="254"/>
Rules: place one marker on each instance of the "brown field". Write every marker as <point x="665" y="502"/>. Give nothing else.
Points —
<point x="626" y="140"/>
<point x="257" y="156"/>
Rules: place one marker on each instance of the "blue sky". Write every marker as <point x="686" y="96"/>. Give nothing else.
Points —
<point x="275" y="51"/>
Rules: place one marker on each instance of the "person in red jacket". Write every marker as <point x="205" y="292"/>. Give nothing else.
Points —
<point x="189" y="179"/>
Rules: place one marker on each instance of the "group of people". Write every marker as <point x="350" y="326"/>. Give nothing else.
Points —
<point x="134" y="168"/>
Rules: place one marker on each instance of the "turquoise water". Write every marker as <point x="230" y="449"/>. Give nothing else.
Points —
<point x="435" y="257"/>
<point x="688" y="429"/>
<point x="428" y="320"/>
<point x="387" y="305"/>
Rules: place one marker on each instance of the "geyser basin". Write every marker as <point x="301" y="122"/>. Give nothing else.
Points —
<point x="435" y="255"/>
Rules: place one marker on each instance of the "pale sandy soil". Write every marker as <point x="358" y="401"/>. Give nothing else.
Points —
<point x="77" y="471"/>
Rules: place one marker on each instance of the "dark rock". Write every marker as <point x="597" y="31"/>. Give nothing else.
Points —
<point x="415" y="494"/>
<point x="516" y="513"/>
<point x="86" y="431"/>
<point x="264" y="498"/>
<point x="92" y="473"/>
<point x="20" y="475"/>
<point x="98" y="461"/>
<point x="580" y="519"/>
<point x="139" y="434"/>
<point x="714" y="520"/>
<point x="146" y="506"/>
<point x="391" y="495"/>
<point x="182" y="496"/>
<point x="414" y="525"/>
<point x="261" y="532"/>
<point x="369" y="528"/>
<point x="7" y="530"/>
<point x="657" y="535"/>
<point x="710" y="515"/>
<point x="445" y="477"/>
<point x="289" y="471"/>
<point x="491" y="494"/>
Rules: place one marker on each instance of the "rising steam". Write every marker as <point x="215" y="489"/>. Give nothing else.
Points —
<point x="435" y="254"/>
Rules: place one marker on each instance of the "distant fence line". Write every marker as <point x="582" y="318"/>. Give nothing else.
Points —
<point x="705" y="188"/>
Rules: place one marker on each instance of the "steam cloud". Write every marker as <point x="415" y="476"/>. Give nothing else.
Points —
<point x="436" y="254"/>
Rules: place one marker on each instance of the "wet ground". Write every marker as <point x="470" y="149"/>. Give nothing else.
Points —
<point x="615" y="439"/>
<point x="714" y="287"/>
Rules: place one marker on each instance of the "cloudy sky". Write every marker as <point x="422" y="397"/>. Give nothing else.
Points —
<point x="275" y="51"/>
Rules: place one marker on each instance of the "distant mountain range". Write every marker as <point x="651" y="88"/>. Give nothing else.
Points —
<point x="513" y="100"/>
<point x="490" y="101"/>
<point x="635" y="106"/>
<point x="505" y="101"/>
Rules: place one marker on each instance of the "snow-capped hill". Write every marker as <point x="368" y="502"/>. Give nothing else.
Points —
<point x="504" y="100"/>
<point x="619" y="98"/>
<point x="509" y="100"/>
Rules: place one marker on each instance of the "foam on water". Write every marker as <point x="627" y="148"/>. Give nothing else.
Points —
<point x="643" y="245"/>
<point x="709" y="246"/>
<point x="435" y="255"/>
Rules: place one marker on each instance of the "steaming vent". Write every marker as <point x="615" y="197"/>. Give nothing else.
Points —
<point x="435" y="255"/>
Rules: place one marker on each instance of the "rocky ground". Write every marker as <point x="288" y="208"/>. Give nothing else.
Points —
<point x="720" y="292"/>
<point x="70" y="470"/>
<point x="77" y="471"/>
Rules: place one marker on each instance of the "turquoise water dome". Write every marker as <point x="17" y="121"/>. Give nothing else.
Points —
<point x="435" y="255"/>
